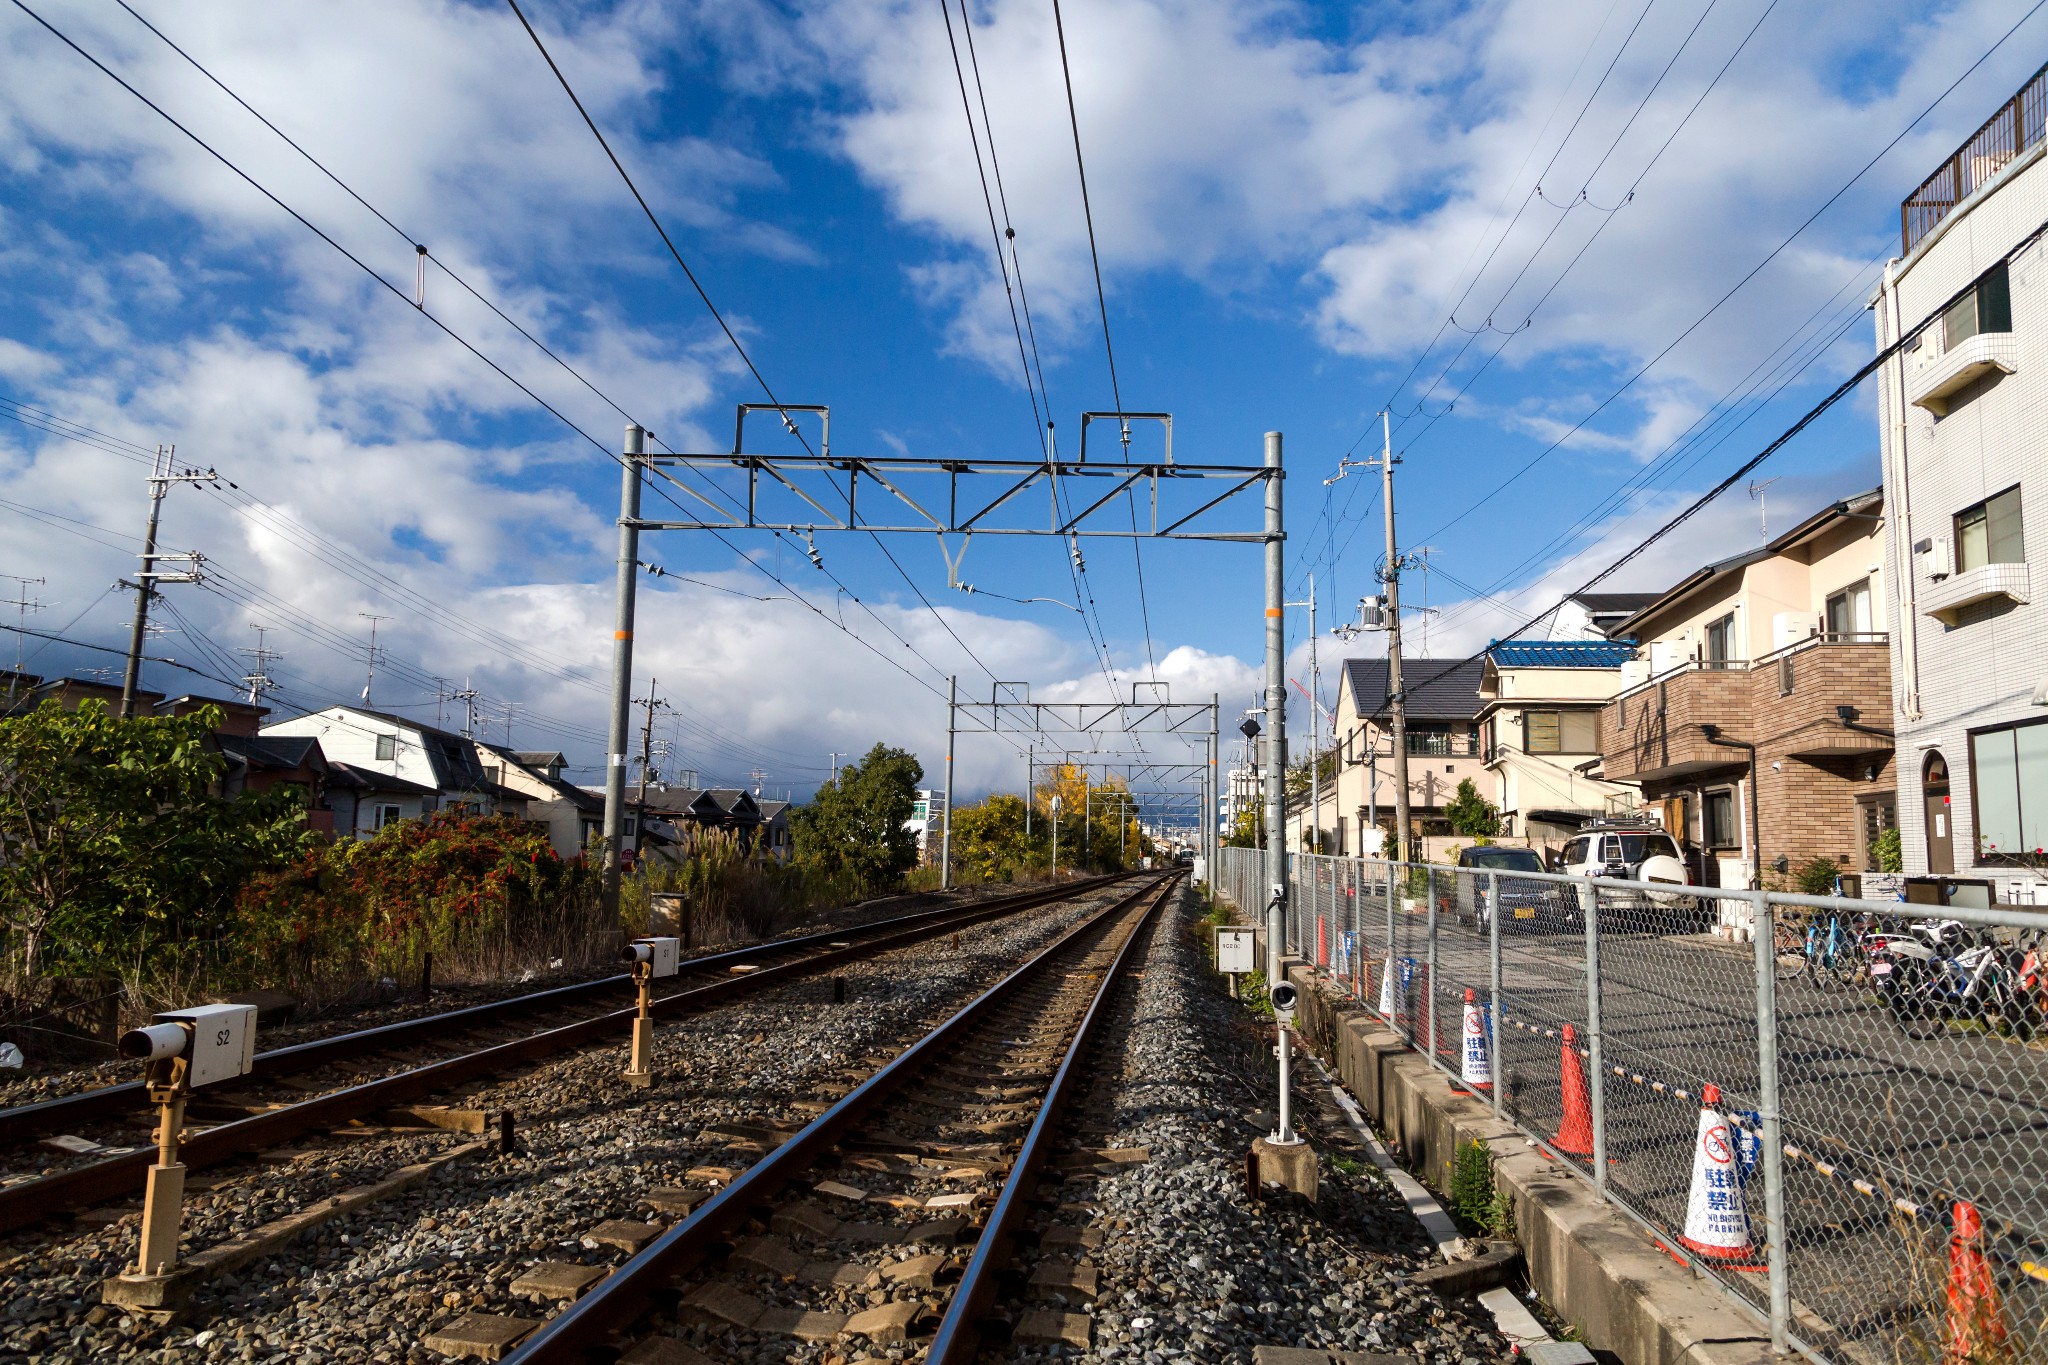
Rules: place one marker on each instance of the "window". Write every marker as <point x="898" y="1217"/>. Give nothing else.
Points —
<point x="1986" y="308"/>
<point x="387" y="747"/>
<point x="383" y="815"/>
<point x="1849" y="610"/>
<point x="1717" y="819"/>
<point x="2009" y="772"/>
<point x="1721" y="639"/>
<point x="1561" y="732"/>
<point x="1989" y="533"/>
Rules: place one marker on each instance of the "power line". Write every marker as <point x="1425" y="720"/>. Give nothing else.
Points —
<point x="1749" y="466"/>
<point x="1774" y="253"/>
<point x="695" y="284"/>
<point x="466" y="345"/>
<point x="1102" y="306"/>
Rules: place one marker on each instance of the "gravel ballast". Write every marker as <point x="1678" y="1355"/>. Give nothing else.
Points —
<point x="369" y="1287"/>
<point x="1190" y="1269"/>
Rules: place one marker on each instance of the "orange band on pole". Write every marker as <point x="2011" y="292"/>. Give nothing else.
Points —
<point x="1272" y="611"/>
<point x="622" y="635"/>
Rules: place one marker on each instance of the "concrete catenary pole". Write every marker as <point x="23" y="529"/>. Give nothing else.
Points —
<point x="946" y="830"/>
<point x="622" y="664"/>
<point x="1211" y="803"/>
<point x="1397" y="701"/>
<point x="1276" y="711"/>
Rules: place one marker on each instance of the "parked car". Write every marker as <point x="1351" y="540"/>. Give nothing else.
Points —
<point x="1526" y="903"/>
<point x="1636" y="852"/>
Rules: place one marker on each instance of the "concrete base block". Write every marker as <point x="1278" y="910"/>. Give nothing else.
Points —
<point x="639" y="1080"/>
<point x="1291" y="1165"/>
<point x="153" y="1293"/>
<point x="1592" y="1265"/>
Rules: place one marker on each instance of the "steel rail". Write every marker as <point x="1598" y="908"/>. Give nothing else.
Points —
<point x="586" y="1330"/>
<point x="28" y="1122"/>
<point x="34" y="1201"/>
<point x="958" y="1339"/>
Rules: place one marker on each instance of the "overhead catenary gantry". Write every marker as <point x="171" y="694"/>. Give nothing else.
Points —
<point x="948" y="495"/>
<point x="1151" y="710"/>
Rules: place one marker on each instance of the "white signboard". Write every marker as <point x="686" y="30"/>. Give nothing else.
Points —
<point x="1236" y="950"/>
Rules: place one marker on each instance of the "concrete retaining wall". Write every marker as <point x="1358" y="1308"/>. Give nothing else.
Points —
<point x="1594" y="1266"/>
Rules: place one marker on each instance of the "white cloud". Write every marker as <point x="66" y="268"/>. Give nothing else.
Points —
<point x="1248" y="146"/>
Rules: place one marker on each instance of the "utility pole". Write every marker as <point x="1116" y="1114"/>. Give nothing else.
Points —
<point x="371" y="680"/>
<point x="1030" y="796"/>
<point x="1315" y="716"/>
<point x="259" y="678"/>
<point x="651" y="702"/>
<point x="1276" y="711"/>
<point x="1397" y="701"/>
<point x="468" y="696"/>
<point x="161" y="477"/>
<point x="835" y="765"/>
<point x="622" y="661"/>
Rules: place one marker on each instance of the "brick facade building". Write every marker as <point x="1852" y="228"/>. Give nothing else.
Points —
<point x="1756" y="716"/>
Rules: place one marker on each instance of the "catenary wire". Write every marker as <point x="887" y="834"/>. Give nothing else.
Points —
<point x="1754" y="271"/>
<point x="1108" y="350"/>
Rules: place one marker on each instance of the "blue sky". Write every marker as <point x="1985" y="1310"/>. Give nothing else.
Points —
<point x="1288" y="202"/>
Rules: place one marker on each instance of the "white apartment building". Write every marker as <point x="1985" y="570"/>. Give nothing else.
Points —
<point x="1964" y="414"/>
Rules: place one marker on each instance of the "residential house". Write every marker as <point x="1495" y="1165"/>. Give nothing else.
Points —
<point x="574" y="817"/>
<point x="923" y="823"/>
<point x="1755" y="715"/>
<point x="1961" y="408"/>
<point x="1596" y="614"/>
<point x="1539" y="730"/>
<point x="21" y="693"/>
<point x="395" y="768"/>
<point x="774" y="837"/>
<point x="1443" y="707"/>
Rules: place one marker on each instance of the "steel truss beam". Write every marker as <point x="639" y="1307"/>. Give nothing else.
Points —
<point x="945" y="495"/>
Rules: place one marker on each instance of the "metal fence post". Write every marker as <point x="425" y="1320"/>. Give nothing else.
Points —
<point x="1429" y="977"/>
<point x="1771" y="1159"/>
<point x="1596" y="1057"/>
<point x="1493" y="990"/>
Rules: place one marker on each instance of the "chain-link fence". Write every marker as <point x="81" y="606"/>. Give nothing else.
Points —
<point x="1837" y="1108"/>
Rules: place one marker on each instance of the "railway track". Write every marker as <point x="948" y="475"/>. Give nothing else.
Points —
<point x="434" y="1054"/>
<point x="902" y="1202"/>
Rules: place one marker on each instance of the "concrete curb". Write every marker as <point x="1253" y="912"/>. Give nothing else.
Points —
<point x="1592" y="1265"/>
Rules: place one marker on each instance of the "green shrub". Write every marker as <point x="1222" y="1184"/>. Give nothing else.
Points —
<point x="1475" y="1199"/>
<point x="1816" y="877"/>
<point x="1886" y="852"/>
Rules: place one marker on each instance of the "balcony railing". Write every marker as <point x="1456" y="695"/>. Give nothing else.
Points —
<point x="2007" y="133"/>
<point x="1428" y="745"/>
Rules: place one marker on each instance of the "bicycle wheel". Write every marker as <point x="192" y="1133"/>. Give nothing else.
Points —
<point x="1788" y="947"/>
<point x="1921" y="1006"/>
<point x="1844" y="958"/>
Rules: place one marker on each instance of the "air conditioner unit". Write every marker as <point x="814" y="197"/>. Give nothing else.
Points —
<point x="1634" y="673"/>
<point x="1790" y="627"/>
<point x="1939" y="558"/>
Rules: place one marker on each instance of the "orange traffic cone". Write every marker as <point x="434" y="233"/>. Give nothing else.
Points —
<point x="1476" y="1064"/>
<point x="1716" y="1218"/>
<point x="1976" y="1326"/>
<point x="1575" y="1134"/>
